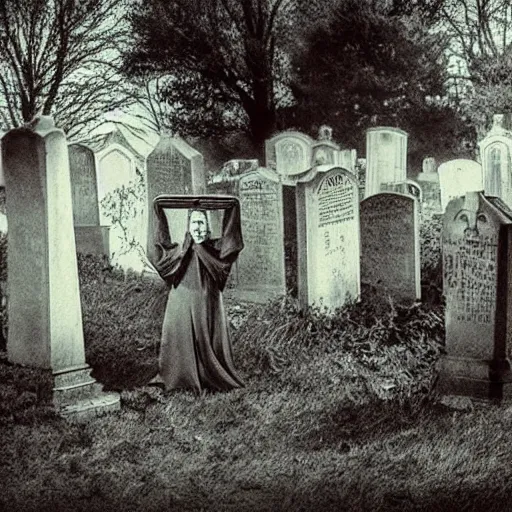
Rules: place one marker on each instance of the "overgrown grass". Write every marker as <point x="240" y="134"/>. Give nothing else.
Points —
<point x="337" y="414"/>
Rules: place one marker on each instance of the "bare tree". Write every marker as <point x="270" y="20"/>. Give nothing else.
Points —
<point x="60" y="58"/>
<point x="481" y="58"/>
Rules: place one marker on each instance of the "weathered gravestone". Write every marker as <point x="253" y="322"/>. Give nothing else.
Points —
<point x="457" y="177"/>
<point x="386" y="158"/>
<point x="496" y="153"/>
<point x="390" y="247"/>
<point x="328" y="239"/>
<point x="428" y="179"/>
<point x="289" y="153"/>
<point x="45" y="318"/>
<point x="173" y="167"/>
<point x="261" y="266"/>
<point x="90" y="237"/>
<point x="477" y="280"/>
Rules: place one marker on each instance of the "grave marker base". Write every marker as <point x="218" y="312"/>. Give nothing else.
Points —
<point x="78" y="396"/>
<point x="474" y="378"/>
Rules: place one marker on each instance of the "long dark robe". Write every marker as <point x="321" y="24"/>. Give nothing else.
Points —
<point x="196" y="351"/>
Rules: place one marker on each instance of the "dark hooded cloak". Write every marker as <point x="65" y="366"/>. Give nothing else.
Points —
<point x="196" y="351"/>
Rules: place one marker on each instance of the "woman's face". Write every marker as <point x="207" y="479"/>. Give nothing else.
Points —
<point x="198" y="226"/>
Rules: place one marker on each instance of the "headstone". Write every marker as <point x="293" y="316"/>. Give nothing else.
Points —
<point x="90" y="237"/>
<point x="408" y="187"/>
<point x="457" y="177"/>
<point x="45" y="318"/>
<point x="289" y="154"/>
<point x="429" y="165"/>
<point x="347" y="159"/>
<point x="325" y="150"/>
<point x="173" y="167"/>
<point x="390" y="248"/>
<point x="477" y="279"/>
<point x="431" y="188"/>
<point x="328" y="239"/>
<point x="496" y="154"/>
<point x="84" y="188"/>
<point x="122" y="194"/>
<point x="261" y="265"/>
<point x="386" y="158"/>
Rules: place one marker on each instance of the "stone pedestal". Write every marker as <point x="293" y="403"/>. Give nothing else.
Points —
<point x="45" y="317"/>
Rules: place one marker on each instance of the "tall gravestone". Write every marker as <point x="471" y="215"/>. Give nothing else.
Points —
<point x="390" y="247"/>
<point x="45" y="318"/>
<point x="477" y="283"/>
<point x="173" y="167"/>
<point x="457" y="177"/>
<point x="496" y="154"/>
<point x="428" y="179"/>
<point x="386" y="158"/>
<point x="90" y="237"/>
<point x="328" y="239"/>
<point x="261" y="266"/>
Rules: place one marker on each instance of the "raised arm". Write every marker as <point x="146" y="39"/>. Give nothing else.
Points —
<point x="167" y="257"/>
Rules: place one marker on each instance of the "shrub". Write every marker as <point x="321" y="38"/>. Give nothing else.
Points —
<point x="390" y="351"/>
<point x="431" y="259"/>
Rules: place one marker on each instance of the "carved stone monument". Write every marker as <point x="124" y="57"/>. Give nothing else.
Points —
<point x="477" y="279"/>
<point x="328" y="239"/>
<point x="45" y="317"/>
<point x="390" y="247"/>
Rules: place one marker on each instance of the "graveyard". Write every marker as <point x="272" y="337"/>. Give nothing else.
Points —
<point x="368" y="320"/>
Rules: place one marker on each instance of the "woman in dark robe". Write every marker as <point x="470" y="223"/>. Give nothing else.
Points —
<point x="195" y="352"/>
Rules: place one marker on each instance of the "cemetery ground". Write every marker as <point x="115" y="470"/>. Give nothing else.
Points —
<point x="337" y="414"/>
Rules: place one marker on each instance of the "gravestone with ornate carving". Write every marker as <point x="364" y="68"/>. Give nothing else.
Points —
<point x="496" y="154"/>
<point x="477" y="279"/>
<point x="328" y="239"/>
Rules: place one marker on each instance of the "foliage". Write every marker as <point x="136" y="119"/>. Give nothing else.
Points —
<point x="363" y="347"/>
<point x="3" y="256"/>
<point x="490" y="91"/>
<point x="430" y="242"/>
<point x="124" y="207"/>
<point x="60" y="57"/>
<point x="223" y="61"/>
<point x="370" y="64"/>
<point x="479" y="59"/>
